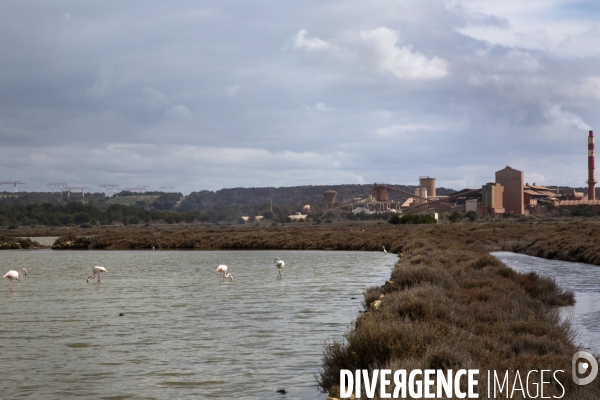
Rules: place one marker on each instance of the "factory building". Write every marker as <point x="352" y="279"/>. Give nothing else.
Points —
<point x="533" y="194"/>
<point x="492" y="195"/>
<point x="593" y="204"/>
<point x="512" y="198"/>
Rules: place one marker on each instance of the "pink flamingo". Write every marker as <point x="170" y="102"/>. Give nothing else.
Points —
<point x="222" y="270"/>
<point x="18" y="275"/>
<point x="96" y="270"/>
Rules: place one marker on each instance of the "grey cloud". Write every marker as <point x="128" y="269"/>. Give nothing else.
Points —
<point x="157" y="93"/>
<point x="179" y="112"/>
<point x="102" y="85"/>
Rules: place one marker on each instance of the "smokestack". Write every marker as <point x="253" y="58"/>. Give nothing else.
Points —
<point x="591" y="181"/>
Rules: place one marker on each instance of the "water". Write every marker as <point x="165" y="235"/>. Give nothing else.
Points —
<point x="581" y="279"/>
<point x="183" y="333"/>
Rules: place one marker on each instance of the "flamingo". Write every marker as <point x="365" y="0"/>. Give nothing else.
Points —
<point x="384" y="250"/>
<point x="96" y="270"/>
<point x="279" y="264"/>
<point x="222" y="270"/>
<point x="18" y="275"/>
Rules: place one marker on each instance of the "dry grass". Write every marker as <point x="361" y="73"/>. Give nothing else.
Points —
<point x="452" y="306"/>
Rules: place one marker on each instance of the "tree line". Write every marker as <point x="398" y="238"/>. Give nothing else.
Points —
<point x="87" y="215"/>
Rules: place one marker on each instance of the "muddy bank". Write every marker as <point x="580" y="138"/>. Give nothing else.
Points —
<point x="19" y="243"/>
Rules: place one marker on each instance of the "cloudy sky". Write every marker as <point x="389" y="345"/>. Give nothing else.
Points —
<point x="236" y="93"/>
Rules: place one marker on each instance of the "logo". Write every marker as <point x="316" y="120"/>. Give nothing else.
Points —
<point x="581" y="367"/>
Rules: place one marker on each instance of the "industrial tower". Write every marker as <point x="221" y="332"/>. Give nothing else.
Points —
<point x="591" y="181"/>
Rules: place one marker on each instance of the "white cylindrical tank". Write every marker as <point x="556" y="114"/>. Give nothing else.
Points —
<point x="420" y="191"/>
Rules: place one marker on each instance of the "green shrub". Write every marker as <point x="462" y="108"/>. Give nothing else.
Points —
<point x="417" y="219"/>
<point x="394" y="219"/>
<point x="455" y="216"/>
<point x="472" y="215"/>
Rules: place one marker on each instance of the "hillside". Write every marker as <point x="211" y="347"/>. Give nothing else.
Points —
<point x="205" y="200"/>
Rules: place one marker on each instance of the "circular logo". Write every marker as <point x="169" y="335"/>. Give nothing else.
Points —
<point x="579" y="367"/>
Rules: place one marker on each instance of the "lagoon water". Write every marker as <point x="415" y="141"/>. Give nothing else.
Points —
<point x="183" y="333"/>
<point x="582" y="279"/>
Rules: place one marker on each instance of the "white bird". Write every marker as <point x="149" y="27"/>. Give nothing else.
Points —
<point x="384" y="250"/>
<point x="18" y="275"/>
<point x="96" y="270"/>
<point x="222" y="270"/>
<point x="279" y="264"/>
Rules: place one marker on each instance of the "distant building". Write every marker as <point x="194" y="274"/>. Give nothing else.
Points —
<point x="512" y="198"/>
<point x="358" y="210"/>
<point x="492" y="198"/>
<point x="297" y="217"/>
<point x="594" y="204"/>
<point x="408" y="203"/>
<point x="533" y="194"/>
<point x="471" y="205"/>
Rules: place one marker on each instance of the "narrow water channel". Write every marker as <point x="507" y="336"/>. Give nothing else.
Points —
<point x="581" y="279"/>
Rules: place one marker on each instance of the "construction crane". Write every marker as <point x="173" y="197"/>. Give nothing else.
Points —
<point x="82" y="188"/>
<point x="14" y="183"/>
<point x="53" y="186"/>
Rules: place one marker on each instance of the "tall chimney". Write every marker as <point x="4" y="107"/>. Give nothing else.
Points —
<point x="591" y="181"/>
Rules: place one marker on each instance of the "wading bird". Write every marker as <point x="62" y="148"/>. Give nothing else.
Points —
<point x="279" y="264"/>
<point x="96" y="270"/>
<point x="18" y="275"/>
<point x="384" y="250"/>
<point x="222" y="270"/>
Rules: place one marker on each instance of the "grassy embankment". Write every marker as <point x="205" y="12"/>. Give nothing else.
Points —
<point x="450" y="305"/>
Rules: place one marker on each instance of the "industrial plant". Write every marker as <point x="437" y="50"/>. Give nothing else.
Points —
<point x="507" y="194"/>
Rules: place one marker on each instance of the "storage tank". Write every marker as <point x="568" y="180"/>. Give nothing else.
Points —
<point x="422" y="192"/>
<point x="329" y="196"/>
<point x="429" y="184"/>
<point x="380" y="193"/>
